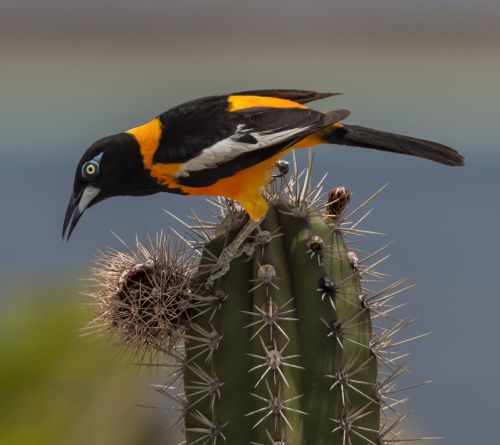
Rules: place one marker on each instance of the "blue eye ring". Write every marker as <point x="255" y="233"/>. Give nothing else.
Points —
<point x="90" y="169"/>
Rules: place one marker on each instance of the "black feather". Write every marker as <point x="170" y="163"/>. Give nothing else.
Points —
<point x="357" y="136"/>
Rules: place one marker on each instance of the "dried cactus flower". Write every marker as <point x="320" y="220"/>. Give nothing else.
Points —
<point x="145" y="296"/>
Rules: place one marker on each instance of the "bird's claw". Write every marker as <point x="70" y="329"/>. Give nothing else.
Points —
<point x="232" y="251"/>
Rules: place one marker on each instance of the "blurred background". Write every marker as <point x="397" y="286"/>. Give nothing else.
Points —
<point x="72" y="72"/>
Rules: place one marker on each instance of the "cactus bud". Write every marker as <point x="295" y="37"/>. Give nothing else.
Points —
<point x="283" y="167"/>
<point x="338" y="198"/>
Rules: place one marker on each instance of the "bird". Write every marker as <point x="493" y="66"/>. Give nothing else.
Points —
<point x="224" y="145"/>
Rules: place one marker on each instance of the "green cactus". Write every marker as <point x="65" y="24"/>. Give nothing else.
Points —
<point x="281" y="349"/>
<point x="286" y="353"/>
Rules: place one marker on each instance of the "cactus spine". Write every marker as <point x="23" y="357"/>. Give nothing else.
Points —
<point x="280" y="350"/>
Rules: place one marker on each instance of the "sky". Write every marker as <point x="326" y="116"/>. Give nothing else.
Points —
<point x="73" y="72"/>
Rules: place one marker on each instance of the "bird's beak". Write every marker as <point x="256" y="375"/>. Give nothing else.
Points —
<point x="77" y="204"/>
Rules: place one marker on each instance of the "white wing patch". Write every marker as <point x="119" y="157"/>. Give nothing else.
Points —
<point x="230" y="148"/>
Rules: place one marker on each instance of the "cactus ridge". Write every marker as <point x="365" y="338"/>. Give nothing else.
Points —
<point x="289" y="346"/>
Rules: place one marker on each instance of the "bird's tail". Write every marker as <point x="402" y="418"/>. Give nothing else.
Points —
<point x="356" y="136"/>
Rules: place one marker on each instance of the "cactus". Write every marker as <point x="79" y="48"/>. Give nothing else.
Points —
<point x="281" y="350"/>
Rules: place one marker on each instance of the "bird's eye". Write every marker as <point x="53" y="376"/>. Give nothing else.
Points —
<point x="90" y="169"/>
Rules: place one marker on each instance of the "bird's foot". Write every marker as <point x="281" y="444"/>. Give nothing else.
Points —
<point x="230" y="252"/>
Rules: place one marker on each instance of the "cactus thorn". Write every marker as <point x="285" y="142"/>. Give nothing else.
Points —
<point x="281" y="441"/>
<point x="275" y="405"/>
<point x="270" y="315"/>
<point x="346" y="424"/>
<point x="315" y="247"/>
<point x="218" y="299"/>
<point x="211" y="431"/>
<point x="208" y="341"/>
<point x="335" y="331"/>
<point x="328" y="288"/>
<point x="266" y="276"/>
<point x="273" y="360"/>
<point x="207" y="386"/>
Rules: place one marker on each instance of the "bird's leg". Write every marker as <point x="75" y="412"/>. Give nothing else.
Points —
<point x="231" y="251"/>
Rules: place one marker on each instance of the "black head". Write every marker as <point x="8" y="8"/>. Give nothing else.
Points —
<point x="113" y="166"/>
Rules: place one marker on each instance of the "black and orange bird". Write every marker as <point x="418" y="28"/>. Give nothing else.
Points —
<point x="224" y="146"/>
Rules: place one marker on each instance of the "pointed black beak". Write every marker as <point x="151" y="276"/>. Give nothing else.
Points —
<point x="72" y="214"/>
<point x="76" y="206"/>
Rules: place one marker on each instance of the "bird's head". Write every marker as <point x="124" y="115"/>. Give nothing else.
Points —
<point x="113" y="166"/>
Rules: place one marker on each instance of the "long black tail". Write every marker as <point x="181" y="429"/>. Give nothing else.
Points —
<point x="356" y="136"/>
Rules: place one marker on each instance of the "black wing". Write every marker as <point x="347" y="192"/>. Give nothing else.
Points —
<point x="211" y="142"/>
